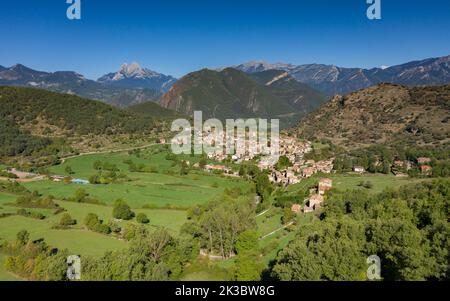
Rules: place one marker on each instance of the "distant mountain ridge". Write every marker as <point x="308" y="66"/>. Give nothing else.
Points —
<point x="134" y="76"/>
<point x="332" y="80"/>
<point x="119" y="94"/>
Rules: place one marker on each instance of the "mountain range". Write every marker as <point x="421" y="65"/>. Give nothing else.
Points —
<point x="130" y="85"/>
<point x="296" y="91"/>
<point x="331" y="79"/>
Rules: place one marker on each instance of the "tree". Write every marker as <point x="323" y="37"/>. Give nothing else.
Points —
<point x="288" y="216"/>
<point x="248" y="267"/>
<point x="122" y="211"/>
<point x="202" y="163"/>
<point x="324" y="251"/>
<point x="242" y="171"/>
<point x="80" y="195"/>
<point x="23" y="237"/>
<point x="69" y="170"/>
<point x="142" y="218"/>
<point x="283" y="163"/>
<point x="91" y="220"/>
<point x="184" y="168"/>
<point x="66" y="220"/>
<point x="247" y="241"/>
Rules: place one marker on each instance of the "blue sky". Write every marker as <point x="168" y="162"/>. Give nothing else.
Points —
<point x="176" y="37"/>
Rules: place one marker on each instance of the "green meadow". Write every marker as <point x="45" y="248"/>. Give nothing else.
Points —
<point x="163" y="188"/>
<point x="379" y="182"/>
<point x="78" y="240"/>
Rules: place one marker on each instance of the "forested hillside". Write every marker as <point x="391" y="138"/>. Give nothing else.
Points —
<point x="233" y="94"/>
<point x="407" y="228"/>
<point x="152" y="109"/>
<point x="30" y="117"/>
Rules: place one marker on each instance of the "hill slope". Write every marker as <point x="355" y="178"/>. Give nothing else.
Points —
<point x="30" y="115"/>
<point x="385" y="113"/>
<point x="283" y="86"/>
<point x="152" y="109"/>
<point x="233" y="94"/>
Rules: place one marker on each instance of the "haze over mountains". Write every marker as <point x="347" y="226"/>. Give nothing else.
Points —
<point x="331" y="79"/>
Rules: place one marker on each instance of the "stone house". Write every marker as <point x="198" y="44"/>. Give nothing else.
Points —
<point x="325" y="185"/>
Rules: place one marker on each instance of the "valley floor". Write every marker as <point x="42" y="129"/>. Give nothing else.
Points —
<point x="163" y="195"/>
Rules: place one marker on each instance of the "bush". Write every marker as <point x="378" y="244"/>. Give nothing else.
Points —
<point x="91" y="220"/>
<point x="93" y="223"/>
<point x="66" y="220"/>
<point x="122" y="211"/>
<point x="102" y="228"/>
<point x="30" y="214"/>
<point x="142" y="218"/>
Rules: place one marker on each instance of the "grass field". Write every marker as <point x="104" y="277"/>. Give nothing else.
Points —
<point x="164" y="188"/>
<point x="379" y="181"/>
<point x="161" y="189"/>
<point x="351" y="181"/>
<point x="78" y="240"/>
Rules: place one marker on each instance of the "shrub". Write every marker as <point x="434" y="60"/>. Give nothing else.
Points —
<point x="66" y="220"/>
<point x="122" y="210"/>
<point x="30" y="214"/>
<point x="93" y="223"/>
<point x="142" y="218"/>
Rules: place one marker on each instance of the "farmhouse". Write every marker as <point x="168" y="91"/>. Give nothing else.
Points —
<point x="325" y="185"/>
<point x="325" y="166"/>
<point x="308" y="172"/>
<point x="314" y="203"/>
<point x="426" y="169"/>
<point x="399" y="163"/>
